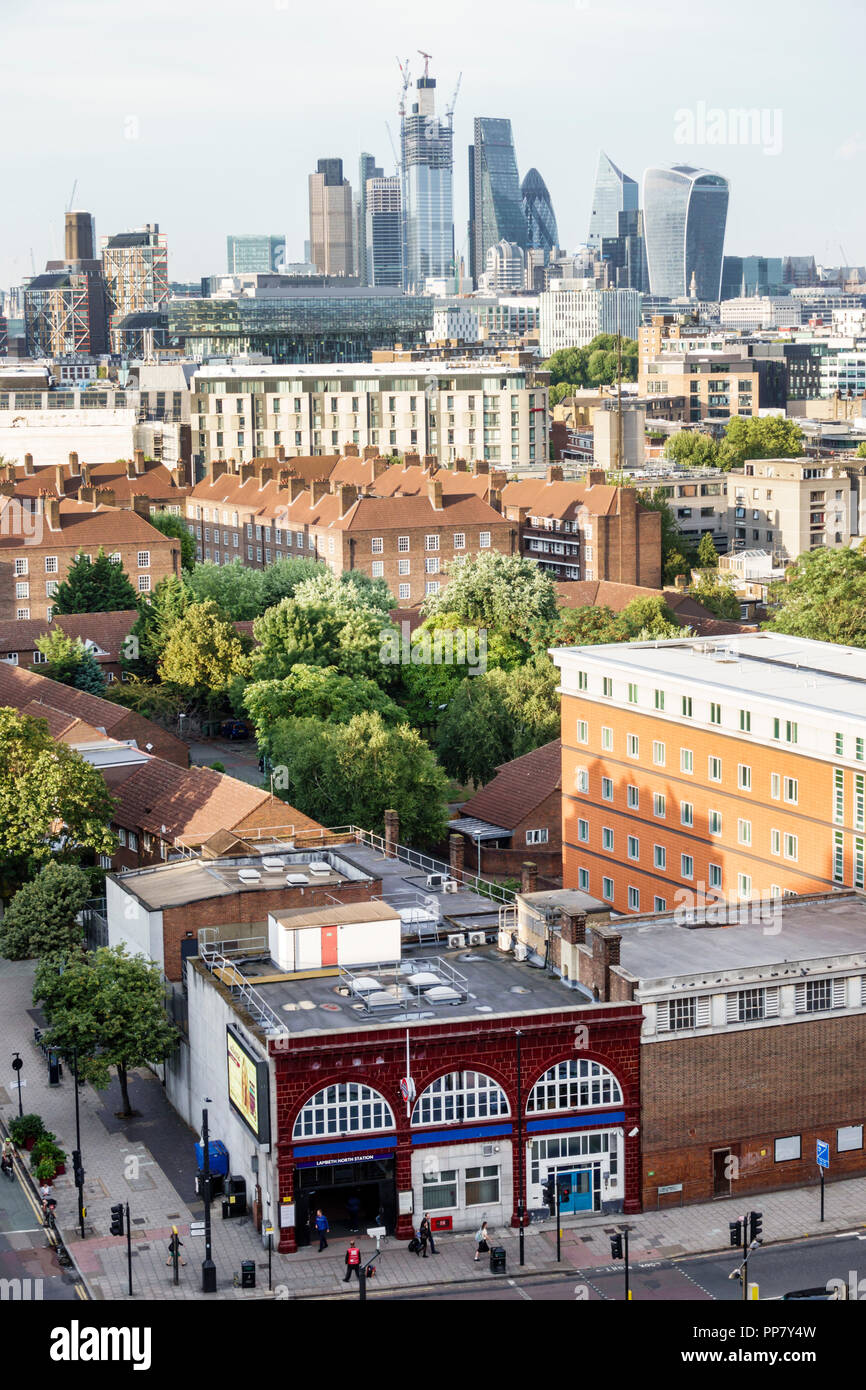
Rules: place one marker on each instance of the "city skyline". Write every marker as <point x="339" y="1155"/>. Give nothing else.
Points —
<point x="157" y="144"/>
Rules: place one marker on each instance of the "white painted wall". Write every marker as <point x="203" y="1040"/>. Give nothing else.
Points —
<point x="139" y="929"/>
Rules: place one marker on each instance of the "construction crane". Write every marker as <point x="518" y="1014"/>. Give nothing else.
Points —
<point x="449" y="110"/>
<point x="72" y="197"/>
<point x="404" y="69"/>
<point x="393" y="148"/>
<point x="426" y="57"/>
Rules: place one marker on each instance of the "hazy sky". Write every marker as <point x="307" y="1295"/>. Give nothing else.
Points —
<point x="207" y="117"/>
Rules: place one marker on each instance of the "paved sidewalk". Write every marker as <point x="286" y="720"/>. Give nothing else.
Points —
<point x="149" y="1161"/>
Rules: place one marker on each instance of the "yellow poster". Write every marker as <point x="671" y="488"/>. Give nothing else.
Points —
<point x="242" y="1083"/>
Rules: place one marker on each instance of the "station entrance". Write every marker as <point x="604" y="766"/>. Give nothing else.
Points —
<point x="333" y="1186"/>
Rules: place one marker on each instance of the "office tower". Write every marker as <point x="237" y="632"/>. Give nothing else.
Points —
<point x="626" y="253"/>
<point x="367" y="169"/>
<point x="541" y="232"/>
<point x="685" y="211"/>
<point x="383" y="232"/>
<point x="614" y="193"/>
<point x="331" y="219"/>
<point x="747" y="276"/>
<point x="504" y="267"/>
<point x="427" y="163"/>
<point x="495" y="201"/>
<point x="135" y="267"/>
<point x="255" y="254"/>
<point x="57" y="314"/>
<point x="79" y="239"/>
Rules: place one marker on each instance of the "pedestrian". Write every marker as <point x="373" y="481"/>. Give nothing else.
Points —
<point x="481" y="1244"/>
<point x="44" y="1193"/>
<point x="353" y="1207"/>
<point x="425" y="1234"/>
<point x="353" y="1262"/>
<point x="323" y="1228"/>
<point x="174" y="1248"/>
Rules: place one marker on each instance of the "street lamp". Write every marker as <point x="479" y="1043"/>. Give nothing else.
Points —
<point x="78" y="1168"/>
<point x="520" y="1180"/>
<point x="208" y="1268"/>
<point x="17" y="1064"/>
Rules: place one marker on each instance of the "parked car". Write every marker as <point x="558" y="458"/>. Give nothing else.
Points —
<point x="234" y="728"/>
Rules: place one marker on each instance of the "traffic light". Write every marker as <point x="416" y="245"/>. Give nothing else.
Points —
<point x="564" y="1189"/>
<point x="77" y="1170"/>
<point x="616" y="1247"/>
<point x="756" y="1224"/>
<point x="53" y="1069"/>
<point x="736" y="1229"/>
<point x="117" y="1219"/>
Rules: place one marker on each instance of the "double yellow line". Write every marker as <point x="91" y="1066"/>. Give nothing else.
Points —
<point x="53" y="1238"/>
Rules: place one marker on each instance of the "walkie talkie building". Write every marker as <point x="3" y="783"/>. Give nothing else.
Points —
<point x="685" y="211"/>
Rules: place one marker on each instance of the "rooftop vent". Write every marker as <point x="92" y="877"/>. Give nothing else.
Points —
<point x="319" y="866"/>
<point x="249" y="875"/>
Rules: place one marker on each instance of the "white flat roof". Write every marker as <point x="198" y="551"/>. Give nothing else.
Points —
<point x="292" y="371"/>
<point x="817" y="675"/>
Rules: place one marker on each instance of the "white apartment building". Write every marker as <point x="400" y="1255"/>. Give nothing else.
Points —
<point x="788" y="506"/>
<point x="844" y="372"/>
<point x="760" y="311"/>
<point x="571" y="317"/>
<point x="432" y="408"/>
<point x="458" y="321"/>
<point x="95" y="420"/>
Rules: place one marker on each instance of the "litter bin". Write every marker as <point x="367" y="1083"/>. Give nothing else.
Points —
<point x="497" y="1259"/>
<point x="248" y="1274"/>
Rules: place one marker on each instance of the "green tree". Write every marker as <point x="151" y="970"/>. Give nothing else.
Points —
<point x="41" y="918"/>
<point x="157" y="616"/>
<point x="759" y="437"/>
<point x="282" y="579"/>
<point x="643" y="619"/>
<point x="171" y="525"/>
<point x="70" y="662"/>
<point x="708" y="556"/>
<point x="823" y="596"/>
<point x="678" y="553"/>
<point x="509" y="594"/>
<point x="345" y="593"/>
<point x="315" y="692"/>
<point x="718" y="595"/>
<point x="861" y="450"/>
<point x="593" y="365"/>
<point x="442" y="652"/>
<point x="236" y="590"/>
<point x="352" y="773"/>
<point x="52" y="803"/>
<point x="297" y="631"/>
<point x="497" y="717"/>
<point x="692" y="448"/>
<point x="110" y="1006"/>
<point x="94" y="586"/>
<point x="203" y="653"/>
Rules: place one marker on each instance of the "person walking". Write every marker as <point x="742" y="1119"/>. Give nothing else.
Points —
<point x="174" y="1248"/>
<point x="481" y="1242"/>
<point x="353" y="1262"/>
<point x="425" y="1235"/>
<point x="323" y="1228"/>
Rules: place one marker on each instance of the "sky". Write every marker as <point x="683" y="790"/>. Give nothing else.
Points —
<point x="206" y="116"/>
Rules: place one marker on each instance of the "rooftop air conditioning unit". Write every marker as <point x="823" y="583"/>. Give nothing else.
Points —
<point x="504" y="941"/>
<point x="435" y="881"/>
<point x="521" y="950"/>
<point x="457" y="941"/>
<point x="477" y="938"/>
<point x="450" y="886"/>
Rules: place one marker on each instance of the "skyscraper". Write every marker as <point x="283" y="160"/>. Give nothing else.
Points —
<point x="367" y="169"/>
<point x="685" y="211"/>
<point x="427" y="160"/>
<point x="614" y="193"/>
<point x="331" y="220"/>
<point x="383" y="233"/>
<point x="135" y="266"/>
<point x="541" y="231"/>
<point x="255" y="254"/>
<point x="495" y="201"/>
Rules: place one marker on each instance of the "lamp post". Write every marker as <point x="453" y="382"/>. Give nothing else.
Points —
<point x="79" y="1168"/>
<point x="520" y="1182"/>
<point x="208" y="1268"/>
<point x="17" y="1064"/>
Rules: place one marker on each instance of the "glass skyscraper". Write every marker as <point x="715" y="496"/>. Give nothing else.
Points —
<point x="541" y="230"/>
<point x="383" y="241"/>
<point x="614" y="193"/>
<point x="685" y="211"/>
<point x="427" y="160"/>
<point x="255" y="254"/>
<point x="495" y="201"/>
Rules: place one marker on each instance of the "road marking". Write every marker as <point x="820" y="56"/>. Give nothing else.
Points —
<point x="522" y="1292"/>
<point x="846" y="1235"/>
<point x="23" y="1231"/>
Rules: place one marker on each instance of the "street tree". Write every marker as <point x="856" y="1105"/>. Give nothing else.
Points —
<point x="203" y="654"/>
<point x="41" y="918"/>
<point x="823" y="596"/>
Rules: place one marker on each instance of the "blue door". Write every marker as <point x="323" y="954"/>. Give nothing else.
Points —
<point x="580" y="1197"/>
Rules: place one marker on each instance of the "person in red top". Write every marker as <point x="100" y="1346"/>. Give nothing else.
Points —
<point x="353" y="1262"/>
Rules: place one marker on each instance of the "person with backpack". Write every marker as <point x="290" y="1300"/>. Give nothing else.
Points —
<point x="323" y="1228"/>
<point x="353" y="1262"/>
<point x="481" y="1242"/>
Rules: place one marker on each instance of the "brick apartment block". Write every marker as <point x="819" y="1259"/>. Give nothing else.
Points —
<point x="102" y="634"/>
<point x="139" y="484"/>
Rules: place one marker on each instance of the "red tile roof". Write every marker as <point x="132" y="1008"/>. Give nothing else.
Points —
<point x="518" y="787"/>
<point x="106" y="630"/>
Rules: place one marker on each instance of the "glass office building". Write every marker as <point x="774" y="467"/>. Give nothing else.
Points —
<point x="614" y="193"/>
<point x="541" y="230"/>
<point x="255" y="254"/>
<point x="685" y="211"/>
<point x="383" y="239"/>
<point x="427" y="159"/>
<point x="495" y="200"/>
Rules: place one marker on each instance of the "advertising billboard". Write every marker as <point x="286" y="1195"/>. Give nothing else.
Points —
<point x="248" y="1086"/>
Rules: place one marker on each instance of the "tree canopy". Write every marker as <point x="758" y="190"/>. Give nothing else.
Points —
<point x="716" y="592"/>
<point x="41" y="918"/>
<point x="150" y="632"/>
<point x="203" y="653"/>
<point x="759" y="437"/>
<point x="509" y="594"/>
<point x="823" y="596"/>
<point x="315" y="692"/>
<point x="643" y="619"/>
<point x="171" y="525"/>
<point x="692" y="448"/>
<point x="593" y="365"/>
<point x="70" y="662"/>
<point x="496" y="717"/>
<point x="708" y="556"/>
<point x="94" y="586"/>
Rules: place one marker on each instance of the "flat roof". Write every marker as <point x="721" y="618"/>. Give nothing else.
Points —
<point x="338" y="914"/>
<point x="183" y="881"/>
<point x="793" y="931"/>
<point x="297" y="371"/>
<point x="818" y="675"/>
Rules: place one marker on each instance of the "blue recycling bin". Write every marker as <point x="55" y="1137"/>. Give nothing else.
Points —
<point x="218" y="1157"/>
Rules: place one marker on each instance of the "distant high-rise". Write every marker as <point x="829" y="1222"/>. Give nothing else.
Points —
<point x="383" y="232"/>
<point x="495" y="201"/>
<point x="331" y="220"/>
<point x="57" y="313"/>
<point x="367" y="169"/>
<point x="626" y="254"/>
<point x="79" y="240"/>
<point x="614" y="193"/>
<point x="504" y="267"/>
<point x="685" y="211"/>
<point x="427" y="166"/>
<point x="135" y="267"/>
<point x="541" y="231"/>
<point x="246" y="255"/>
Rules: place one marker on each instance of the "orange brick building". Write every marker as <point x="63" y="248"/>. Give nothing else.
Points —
<point x="696" y="768"/>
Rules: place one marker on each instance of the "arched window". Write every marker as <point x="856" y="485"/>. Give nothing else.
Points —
<point x="460" y="1095"/>
<point x="349" y="1108"/>
<point x="575" y="1085"/>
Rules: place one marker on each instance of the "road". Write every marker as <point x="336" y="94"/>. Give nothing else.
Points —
<point x="776" y="1269"/>
<point x="28" y="1264"/>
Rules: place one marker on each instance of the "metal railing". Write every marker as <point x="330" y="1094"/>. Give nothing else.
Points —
<point x="95" y="923"/>
<point x="471" y="882"/>
<point x="241" y="990"/>
<point x="396" y="990"/>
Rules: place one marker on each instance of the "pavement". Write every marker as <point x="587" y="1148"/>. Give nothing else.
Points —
<point x="148" y="1161"/>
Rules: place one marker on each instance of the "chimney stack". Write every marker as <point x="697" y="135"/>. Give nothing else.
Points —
<point x="59" y="479"/>
<point x="28" y="464"/>
<point x="529" y="877"/>
<point x="411" y="461"/>
<point x="52" y="513"/>
<point x="494" y="499"/>
<point x="434" y="492"/>
<point x="371" y="451"/>
<point x="247" y="471"/>
<point x="480" y="466"/>
<point x="266" y="476"/>
<point x="218" y="468"/>
<point x="460" y="466"/>
<point x="295" y="487"/>
<point x="319" y="488"/>
<point x="554" y="473"/>
<point x="73" y="463"/>
<point x="392" y="833"/>
<point x="348" y="496"/>
<point x="380" y="466"/>
<point x="281" y="453"/>
<point x="86" y="474"/>
<point x="138" y="459"/>
<point x="573" y="927"/>
<point x="595" y="477"/>
<point x="131" y="470"/>
<point x="456" y="851"/>
<point x="351" y="451"/>
<point x="431" y="463"/>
